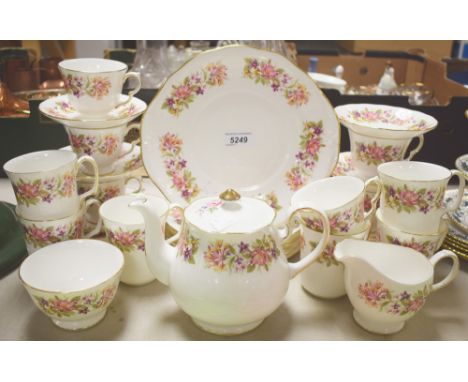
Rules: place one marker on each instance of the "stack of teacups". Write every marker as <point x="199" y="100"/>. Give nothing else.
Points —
<point x="342" y="198"/>
<point x="412" y="211"/>
<point x="48" y="203"/>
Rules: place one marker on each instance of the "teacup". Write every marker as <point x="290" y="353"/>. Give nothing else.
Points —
<point x="426" y="244"/>
<point x="341" y="198"/>
<point x="325" y="277"/>
<point x="125" y="228"/>
<point x="38" y="234"/>
<point x="103" y="144"/>
<point x="94" y="85"/>
<point x="412" y="197"/>
<point x="110" y="186"/>
<point x="44" y="183"/>
<point x="368" y="152"/>
<point x="73" y="282"/>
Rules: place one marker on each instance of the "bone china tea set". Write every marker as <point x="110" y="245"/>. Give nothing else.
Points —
<point x="241" y="144"/>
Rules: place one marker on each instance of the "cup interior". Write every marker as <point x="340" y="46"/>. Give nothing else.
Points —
<point x="414" y="171"/>
<point x="71" y="266"/>
<point x="93" y="65"/>
<point x="328" y="193"/>
<point x="39" y="161"/>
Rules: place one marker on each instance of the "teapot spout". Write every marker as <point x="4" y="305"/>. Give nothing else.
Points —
<point x="159" y="254"/>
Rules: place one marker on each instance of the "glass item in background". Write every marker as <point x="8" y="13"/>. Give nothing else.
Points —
<point x="277" y="46"/>
<point x="199" y="45"/>
<point x="151" y="63"/>
<point x="313" y="64"/>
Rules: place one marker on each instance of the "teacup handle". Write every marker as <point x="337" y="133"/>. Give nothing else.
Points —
<point x="98" y="227"/>
<point x="95" y="188"/>
<point x="296" y="268"/>
<point x="140" y="183"/>
<point x="175" y="237"/>
<point x="461" y="190"/>
<point x="135" y="142"/>
<point x="453" y="271"/>
<point x="131" y="93"/>
<point x="417" y="149"/>
<point x="375" y="180"/>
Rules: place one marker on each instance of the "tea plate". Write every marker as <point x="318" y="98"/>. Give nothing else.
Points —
<point x="60" y="110"/>
<point x="383" y="121"/>
<point x="242" y="118"/>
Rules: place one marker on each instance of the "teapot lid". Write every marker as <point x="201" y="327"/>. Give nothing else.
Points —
<point x="229" y="213"/>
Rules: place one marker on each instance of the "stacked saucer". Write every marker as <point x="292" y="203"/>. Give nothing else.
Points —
<point x="457" y="237"/>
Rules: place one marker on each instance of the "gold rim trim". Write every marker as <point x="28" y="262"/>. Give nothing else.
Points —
<point x="60" y="65"/>
<point x="412" y="180"/>
<point x="40" y="171"/>
<point x="209" y="51"/>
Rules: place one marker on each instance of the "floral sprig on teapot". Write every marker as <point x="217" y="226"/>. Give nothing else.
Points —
<point x="35" y="191"/>
<point x="90" y="144"/>
<point x="376" y="295"/>
<point x="427" y="247"/>
<point x="39" y="237"/>
<point x="96" y="87"/>
<point x="327" y="256"/>
<point x="374" y="154"/>
<point x="189" y="247"/>
<point x="387" y="116"/>
<point x="262" y="71"/>
<point x="78" y="305"/>
<point x="183" y="181"/>
<point x="307" y="157"/>
<point x="411" y="200"/>
<point x="241" y="257"/>
<point x="182" y="95"/>
<point x="127" y="241"/>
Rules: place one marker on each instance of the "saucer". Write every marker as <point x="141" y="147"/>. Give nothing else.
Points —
<point x="462" y="164"/>
<point x="129" y="162"/>
<point x="60" y="110"/>
<point x="325" y="81"/>
<point x="459" y="217"/>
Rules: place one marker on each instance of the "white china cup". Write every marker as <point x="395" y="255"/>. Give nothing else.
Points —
<point x="38" y="234"/>
<point x="426" y="244"/>
<point x="412" y="197"/>
<point x="125" y="228"/>
<point x="102" y="144"/>
<point x="73" y="282"/>
<point x="95" y="84"/>
<point x="324" y="278"/>
<point x="341" y="198"/>
<point x="44" y="183"/>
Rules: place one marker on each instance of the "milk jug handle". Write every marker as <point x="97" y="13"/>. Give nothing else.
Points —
<point x="453" y="271"/>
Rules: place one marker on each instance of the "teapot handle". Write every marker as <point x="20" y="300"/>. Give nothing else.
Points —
<point x="453" y="271"/>
<point x="296" y="268"/>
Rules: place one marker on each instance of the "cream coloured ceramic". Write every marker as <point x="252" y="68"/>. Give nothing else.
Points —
<point x="426" y="244"/>
<point x="342" y="198"/>
<point x="38" y="234"/>
<point x="388" y="284"/>
<point x="73" y="282"/>
<point x="243" y="118"/>
<point x="324" y="278"/>
<point x="44" y="183"/>
<point x="383" y="121"/>
<point x="413" y="194"/>
<point x="94" y="85"/>
<point x="228" y="271"/>
<point x="458" y="217"/>
<point x="125" y="228"/>
<point x="60" y="110"/>
<point x="102" y="144"/>
<point x="325" y="81"/>
<point x="367" y="152"/>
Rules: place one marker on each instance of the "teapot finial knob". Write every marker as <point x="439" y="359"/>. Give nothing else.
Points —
<point x="230" y="195"/>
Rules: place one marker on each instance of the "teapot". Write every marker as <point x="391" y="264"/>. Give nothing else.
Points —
<point x="387" y="284"/>
<point x="228" y="271"/>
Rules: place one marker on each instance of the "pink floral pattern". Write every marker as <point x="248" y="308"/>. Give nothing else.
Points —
<point x="44" y="190"/>
<point x="133" y="164"/>
<point x="262" y="71"/>
<point x="307" y="157"/>
<point x="210" y="206"/>
<point x="374" y="154"/>
<point x="327" y="256"/>
<point x="272" y="201"/>
<point x="189" y="247"/>
<point x="376" y="295"/>
<point x="340" y="222"/>
<point x="404" y="199"/>
<point x="344" y="165"/>
<point x="387" y="116"/>
<point x="74" y="85"/>
<point x="96" y="87"/>
<point x="78" y="305"/>
<point x="127" y="241"/>
<point x="182" y="95"/>
<point x="427" y="247"/>
<point x="91" y="144"/>
<point x="39" y="237"/>
<point x="183" y="181"/>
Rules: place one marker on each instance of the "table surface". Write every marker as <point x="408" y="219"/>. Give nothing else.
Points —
<point x="149" y="313"/>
